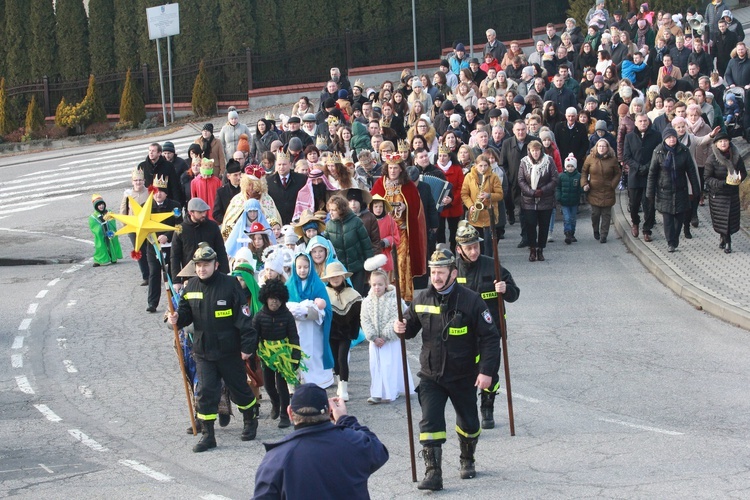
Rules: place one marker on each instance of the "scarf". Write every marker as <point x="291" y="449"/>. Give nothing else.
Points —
<point x="343" y="298"/>
<point x="729" y="159"/>
<point x="537" y="170"/>
<point x="640" y="37"/>
<point x="696" y="127"/>
<point x="207" y="146"/>
<point x="669" y="162"/>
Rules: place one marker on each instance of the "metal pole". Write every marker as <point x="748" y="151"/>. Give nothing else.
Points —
<point x="471" y="33"/>
<point x="171" y="87"/>
<point x="414" y="30"/>
<point x="161" y="81"/>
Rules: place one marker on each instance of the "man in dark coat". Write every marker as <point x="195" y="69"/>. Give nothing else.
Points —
<point x="572" y="137"/>
<point x="283" y="186"/>
<point x="561" y="96"/>
<point x="227" y="191"/>
<point x="725" y="41"/>
<point x="700" y="57"/>
<point x="494" y="46"/>
<point x="680" y="54"/>
<point x="638" y="150"/>
<point x="156" y="164"/>
<point x="294" y="124"/>
<point x="160" y="205"/>
<point x="180" y="165"/>
<point x="513" y="149"/>
<point x="292" y="467"/>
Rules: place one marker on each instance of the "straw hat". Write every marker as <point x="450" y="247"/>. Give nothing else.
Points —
<point x="308" y="217"/>
<point x="388" y="207"/>
<point x="335" y="269"/>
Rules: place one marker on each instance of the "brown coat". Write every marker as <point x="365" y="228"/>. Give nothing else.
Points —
<point x="217" y="155"/>
<point x="602" y="176"/>
<point x="470" y="192"/>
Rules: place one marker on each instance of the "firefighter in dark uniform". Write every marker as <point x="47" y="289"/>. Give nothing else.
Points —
<point x="224" y="336"/>
<point x="460" y="353"/>
<point x="477" y="272"/>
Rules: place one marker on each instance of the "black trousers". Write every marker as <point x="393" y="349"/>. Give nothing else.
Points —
<point x="143" y="261"/>
<point x="452" y="223"/>
<point x="432" y="398"/>
<point x="635" y="199"/>
<point x="276" y="387"/>
<point x="155" y="278"/>
<point x="673" y="226"/>
<point x="340" y="349"/>
<point x="537" y="226"/>
<point x="208" y="392"/>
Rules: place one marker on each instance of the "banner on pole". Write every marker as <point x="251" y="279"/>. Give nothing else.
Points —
<point x="163" y="21"/>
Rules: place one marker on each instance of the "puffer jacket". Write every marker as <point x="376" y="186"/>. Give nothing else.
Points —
<point x="277" y="325"/>
<point x="470" y="192"/>
<point x="351" y="241"/>
<point x="547" y="183"/>
<point x="230" y="136"/>
<point x="601" y="174"/>
<point x="568" y="191"/>
<point x="724" y="199"/>
<point x="671" y="195"/>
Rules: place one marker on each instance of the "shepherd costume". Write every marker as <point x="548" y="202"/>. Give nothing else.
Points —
<point x="106" y="245"/>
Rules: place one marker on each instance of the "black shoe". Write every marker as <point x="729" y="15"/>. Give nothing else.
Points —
<point x="468" y="447"/>
<point x="198" y="427"/>
<point x="151" y="309"/>
<point x="688" y="234"/>
<point x="523" y="244"/>
<point x="208" y="440"/>
<point x="603" y="239"/>
<point x="723" y="242"/>
<point x="250" y="425"/>
<point x="274" y="410"/>
<point x="487" y="408"/>
<point x="96" y="265"/>
<point x="144" y="283"/>
<point x="284" y="422"/>
<point x="670" y="249"/>
<point x="573" y="238"/>
<point x="224" y="419"/>
<point x="728" y="249"/>
<point x="694" y="222"/>
<point x="596" y="235"/>
<point x="568" y="239"/>
<point x="511" y="218"/>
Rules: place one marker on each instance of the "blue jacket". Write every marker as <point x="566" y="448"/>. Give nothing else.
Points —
<point x="321" y="461"/>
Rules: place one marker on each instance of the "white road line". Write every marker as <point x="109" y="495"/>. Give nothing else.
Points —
<point x="71" y="303"/>
<point x="83" y="438"/>
<point x="642" y="427"/>
<point x="26" y="231"/>
<point x="17" y="342"/>
<point x="62" y="343"/>
<point x="77" y="179"/>
<point x="41" y="294"/>
<point x="73" y="269"/>
<point x="16" y="360"/>
<point x="46" y="468"/>
<point x="36" y="205"/>
<point x="212" y="496"/>
<point x="48" y="414"/>
<point x="137" y="466"/>
<point x="25" y="323"/>
<point x="40" y="196"/>
<point x="54" y="282"/>
<point x="23" y="384"/>
<point x="528" y="399"/>
<point x="85" y="391"/>
<point x="32" y="308"/>
<point x="70" y="366"/>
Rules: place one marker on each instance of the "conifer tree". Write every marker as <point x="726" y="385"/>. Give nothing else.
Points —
<point x="2" y="34"/>
<point x="187" y="46"/>
<point x="102" y="43"/>
<point x="132" y="108"/>
<point x="94" y="102"/>
<point x="16" y="41"/>
<point x="72" y="39"/>
<point x="6" y="123"/>
<point x="34" y="117"/>
<point x="204" y="98"/>
<point x="43" y="50"/>
<point x="268" y="39"/>
<point x="126" y="35"/>
<point x="237" y="32"/>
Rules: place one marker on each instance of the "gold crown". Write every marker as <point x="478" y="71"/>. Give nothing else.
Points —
<point x="385" y="122"/>
<point x="321" y="141"/>
<point x="282" y="155"/>
<point x="444" y="150"/>
<point x="347" y="159"/>
<point x="403" y="146"/>
<point x="160" y="182"/>
<point x="449" y="96"/>
<point x="332" y="120"/>
<point x="269" y="116"/>
<point x="360" y="84"/>
<point x="393" y="158"/>
<point x="137" y="174"/>
<point x="332" y="159"/>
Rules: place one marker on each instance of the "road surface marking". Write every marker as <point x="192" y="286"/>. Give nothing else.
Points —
<point x="73" y="268"/>
<point x="49" y="414"/>
<point x="85" y="391"/>
<point x="212" y="496"/>
<point x="62" y="343"/>
<point x="642" y="427"/>
<point x="528" y="399"/>
<point x="17" y="343"/>
<point x="24" y="324"/>
<point x="137" y="466"/>
<point x="71" y="303"/>
<point x="16" y="360"/>
<point x="26" y="231"/>
<point x="23" y="384"/>
<point x="83" y="438"/>
<point x="70" y="366"/>
<point x="32" y="308"/>
<point x="41" y="294"/>
<point x="46" y="468"/>
<point x="54" y="282"/>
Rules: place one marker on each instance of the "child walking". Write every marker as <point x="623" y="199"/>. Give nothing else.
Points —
<point x="377" y="317"/>
<point x="278" y="347"/>
<point x="569" y="194"/>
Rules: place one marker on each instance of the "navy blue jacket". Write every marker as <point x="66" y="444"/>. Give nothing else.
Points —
<point x="321" y="461"/>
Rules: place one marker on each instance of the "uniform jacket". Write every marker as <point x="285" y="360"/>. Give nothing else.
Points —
<point x="670" y="194"/>
<point x="186" y="242"/>
<point x="480" y="277"/>
<point x="293" y="468"/>
<point x="220" y="315"/>
<point x="351" y="241"/>
<point x="456" y="327"/>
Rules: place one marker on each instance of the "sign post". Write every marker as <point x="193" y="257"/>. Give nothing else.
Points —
<point x="164" y="22"/>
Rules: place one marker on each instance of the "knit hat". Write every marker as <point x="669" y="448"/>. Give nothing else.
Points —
<point x="243" y="144"/>
<point x="444" y="62"/>
<point x="668" y="132"/>
<point x="233" y="166"/>
<point x="295" y="144"/>
<point x="546" y="134"/>
<point x="591" y="98"/>
<point x="233" y="114"/>
<point x="416" y="82"/>
<point x="598" y="78"/>
<point x="460" y="47"/>
<point x="245" y="254"/>
<point x="96" y="199"/>
<point x="168" y="146"/>
<point x="329" y="103"/>
<point x="413" y="173"/>
<point x="209" y="126"/>
<point x="447" y="105"/>
<point x="519" y="100"/>
<point x="600" y="125"/>
<point x="309" y="396"/>
<point x="343" y="94"/>
<point x="571" y="160"/>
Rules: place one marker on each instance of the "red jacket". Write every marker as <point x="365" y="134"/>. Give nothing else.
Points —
<point x="454" y="175"/>
<point x="205" y="188"/>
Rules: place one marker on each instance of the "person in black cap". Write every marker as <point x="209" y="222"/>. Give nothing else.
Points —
<point x="672" y="167"/>
<point x="442" y="121"/>
<point x="212" y="148"/>
<point x="156" y="164"/>
<point x="294" y="130"/>
<point x="169" y="153"/>
<point x="228" y="190"/>
<point x="293" y="467"/>
<point x="223" y="338"/>
<point x="161" y="204"/>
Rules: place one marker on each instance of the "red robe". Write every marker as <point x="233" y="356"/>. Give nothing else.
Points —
<point x="416" y="226"/>
<point x="205" y="188"/>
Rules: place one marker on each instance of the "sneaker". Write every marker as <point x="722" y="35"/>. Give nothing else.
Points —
<point x="374" y="401"/>
<point x="550" y="239"/>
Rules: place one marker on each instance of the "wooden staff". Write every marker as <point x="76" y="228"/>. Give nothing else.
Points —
<point x="503" y="325"/>
<point x="394" y="252"/>
<point x="180" y="356"/>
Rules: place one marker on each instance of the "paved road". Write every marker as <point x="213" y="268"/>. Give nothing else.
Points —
<point x="621" y="388"/>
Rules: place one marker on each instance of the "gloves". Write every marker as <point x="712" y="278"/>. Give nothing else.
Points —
<point x="538" y="193"/>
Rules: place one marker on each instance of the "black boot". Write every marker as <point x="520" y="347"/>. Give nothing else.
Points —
<point x="568" y="238"/>
<point x="488" y="407"/>
<point x="468" y="445"/>
<point x="198" y="427"/>
<point x="250" y="421"/>
<point x="688" y="234"/>
<point x="728" y="249"/>
<point x="208" y="440"/>
<point x="433" y="476"/>
<point x="274" y="410"/>
<point x="284" y="421"/>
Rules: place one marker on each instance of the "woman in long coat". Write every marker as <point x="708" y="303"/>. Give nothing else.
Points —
<point x="724" y="171"/>
<point x="599" y="178"/>
<point x="537" y="178"/>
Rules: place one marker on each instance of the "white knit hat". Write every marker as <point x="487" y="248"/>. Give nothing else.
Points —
<point x="571" y="160"/>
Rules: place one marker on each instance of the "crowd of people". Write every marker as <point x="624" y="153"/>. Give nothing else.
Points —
<point x="295" y="206"/>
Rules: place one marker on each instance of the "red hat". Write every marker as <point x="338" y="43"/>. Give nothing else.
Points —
<point x="256" y="228"/>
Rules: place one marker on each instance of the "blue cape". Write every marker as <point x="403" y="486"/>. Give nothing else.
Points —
<point x="238" y="231"/>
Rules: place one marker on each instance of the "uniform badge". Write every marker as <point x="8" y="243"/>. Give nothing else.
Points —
<point x="221" y="302"/>
<point x="487" y="316"/>
<point x="246" y="310"/>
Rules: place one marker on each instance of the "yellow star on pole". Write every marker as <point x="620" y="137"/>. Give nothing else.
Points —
<point x="143" y="222"/>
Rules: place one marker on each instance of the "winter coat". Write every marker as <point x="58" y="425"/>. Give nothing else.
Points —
<point x="724" y="199"/>
<point x="572" y="140"/>
<point x="568" y="191"/>
<point x="360" y="137"/>
<point x="470" y="191"/>
<point x="373" y="228"/>
<point x="185" y="243"/>
<point x="510" y="160"/>
<point x="351" y="241"/>
<point x="216" y="154"/>
<point x="378" y="315"/>
<point x="625" y="126"/>
<point x="738" y="72"/>
<point x="262" y="144"/>
<point x="637" y="154"/>
<point x="455" y="176"/>
<point x="601" y="174"/>
<point x="346" y="308"/>
<point x="670" y="195"/>
<point x="230" y="136"/>
<point x="292" y="467"/>
<point x="277" y="325"/>
<point x="163" y="168"/>
<point x="547" y="183"/>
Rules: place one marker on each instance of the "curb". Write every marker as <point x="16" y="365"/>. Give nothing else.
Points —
<point x="668" y="277"/>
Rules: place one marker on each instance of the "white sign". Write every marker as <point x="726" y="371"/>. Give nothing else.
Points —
<point x="163" y="21"/>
